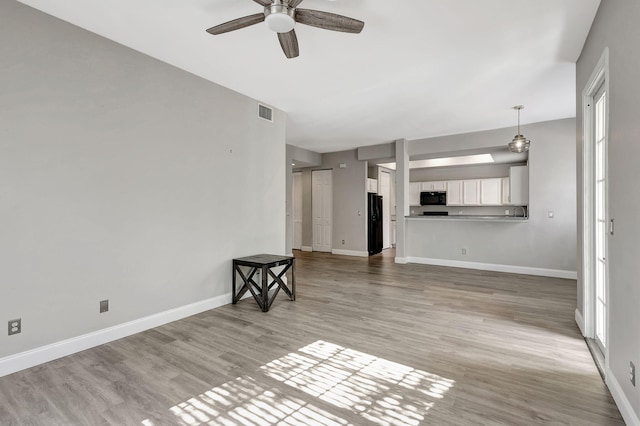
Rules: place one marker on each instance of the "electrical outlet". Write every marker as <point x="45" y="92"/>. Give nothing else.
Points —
<point x="342" y="242"/>
<point x="104" y="306"/>
<point x="632" y="373"/>
<point x="464" y="251"/>
<point x="15" y="326"/>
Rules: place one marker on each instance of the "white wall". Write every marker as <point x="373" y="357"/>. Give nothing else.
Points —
<point x="616" y="27"/>
<point x="542" y="243"/>
<point x="121" y="178"/>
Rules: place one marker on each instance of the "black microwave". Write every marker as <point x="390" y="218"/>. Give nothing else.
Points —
<point x="433" y="198"/>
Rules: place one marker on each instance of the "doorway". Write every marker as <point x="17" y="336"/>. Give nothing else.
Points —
<point x="322" y="209"/>
<point x="296" y="203"/>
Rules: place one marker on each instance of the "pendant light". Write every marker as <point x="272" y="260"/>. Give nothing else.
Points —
<point x="519" y="142"/>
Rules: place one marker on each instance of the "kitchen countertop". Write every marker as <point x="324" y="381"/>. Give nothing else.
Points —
<point x="472" y="218"/>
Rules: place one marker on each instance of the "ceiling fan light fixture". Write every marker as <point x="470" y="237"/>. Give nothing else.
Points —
<point x="519" y="143"/>
<point x="279" y="18"/>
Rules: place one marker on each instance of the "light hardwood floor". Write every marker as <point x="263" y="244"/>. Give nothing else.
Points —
<point x="366" y="342"/>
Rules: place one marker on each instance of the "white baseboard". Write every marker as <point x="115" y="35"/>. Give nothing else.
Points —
<point x="626" y="409"/>
<point x="580" y="321"/>
<point x="555" y="273"/>
<point x="350" y="252"/>
<point x="37" y="356"/>
<point x="401" y="260"/>
<point x="306" y="248"/>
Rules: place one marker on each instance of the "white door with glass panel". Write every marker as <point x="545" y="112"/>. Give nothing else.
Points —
<point x="600" y="216"/>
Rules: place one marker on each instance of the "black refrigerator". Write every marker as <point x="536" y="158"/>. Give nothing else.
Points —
<point x="374" y="223"/>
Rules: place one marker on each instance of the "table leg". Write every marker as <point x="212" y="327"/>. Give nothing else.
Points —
<point x="265" y="289"/>
<point x="233" y="283"/>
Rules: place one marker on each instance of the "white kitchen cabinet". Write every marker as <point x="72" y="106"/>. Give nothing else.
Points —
<point x="454" y="193"/>
<point x="491" y="192"/>
<point x="414" y="193"/>
<point x="519" y="185"/>
<point x="505" y="191"/>
<point x="471" y="192"/>
<point x="372" y="185"/>
<point x="433" y="186"/>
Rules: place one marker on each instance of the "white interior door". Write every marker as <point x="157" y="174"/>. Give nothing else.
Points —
<point x="600" y="216"/>
<point x="296" y="203"/>
<point x="385" y="191"/>
<point x="322" y="209"/>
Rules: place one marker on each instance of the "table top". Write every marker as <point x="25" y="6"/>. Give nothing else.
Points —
<point x="263" y="259"/>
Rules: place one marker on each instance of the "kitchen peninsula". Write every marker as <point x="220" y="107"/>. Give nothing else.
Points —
<point x="482" y="229"/>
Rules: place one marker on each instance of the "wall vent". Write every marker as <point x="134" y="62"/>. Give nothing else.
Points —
<point x="265" y="112"/>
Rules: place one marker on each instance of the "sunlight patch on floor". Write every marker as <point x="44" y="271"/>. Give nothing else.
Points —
<point x="379" y="390"/>
<point x="354" y="383"/>
<point x="244" y="401"/>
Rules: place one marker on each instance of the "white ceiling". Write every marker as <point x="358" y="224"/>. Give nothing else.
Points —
<point x="420" y="68"/>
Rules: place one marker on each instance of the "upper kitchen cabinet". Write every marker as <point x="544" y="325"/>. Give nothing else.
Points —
<point x="475" y="192"/>
<point x="414" y="193"/>
<point x="471" y="192"/>
<point x="454" y="193"/>
<point x="491" y="192"/>
<point x="433" y="186"/>
<point x="505" y="191"/>
<point x="519" y="185"/>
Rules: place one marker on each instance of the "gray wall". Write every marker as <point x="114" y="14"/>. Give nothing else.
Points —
<point x="385" y="151"/>
<point x="616" y="27"/>
<point x="349" y="201"/>
<point x="539" y="243"/>
<point x="480" y="171"/>
<point x="123" y="178"/>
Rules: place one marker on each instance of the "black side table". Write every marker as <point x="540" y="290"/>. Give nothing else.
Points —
<point x="265" y="263"/>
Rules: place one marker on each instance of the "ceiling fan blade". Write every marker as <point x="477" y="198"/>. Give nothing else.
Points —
<point x="236" y="24"/>
<point x="294" y="3"/>
<point x="289" y="43"/>
<point x="264" y="2"/>
<point x="328" y="21"/>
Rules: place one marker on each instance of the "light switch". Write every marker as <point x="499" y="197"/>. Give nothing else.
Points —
<point x="550" y="213"/>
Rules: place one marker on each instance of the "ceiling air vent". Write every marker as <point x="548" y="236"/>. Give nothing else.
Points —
<point x="265" y="113"/>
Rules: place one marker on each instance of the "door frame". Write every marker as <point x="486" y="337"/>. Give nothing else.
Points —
<point x="386" y="215"/>
<point x="599" y="77"/>
<point x="296" y="197"/>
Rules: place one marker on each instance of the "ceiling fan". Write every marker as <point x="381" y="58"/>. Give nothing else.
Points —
<point x="281" y="16"/>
